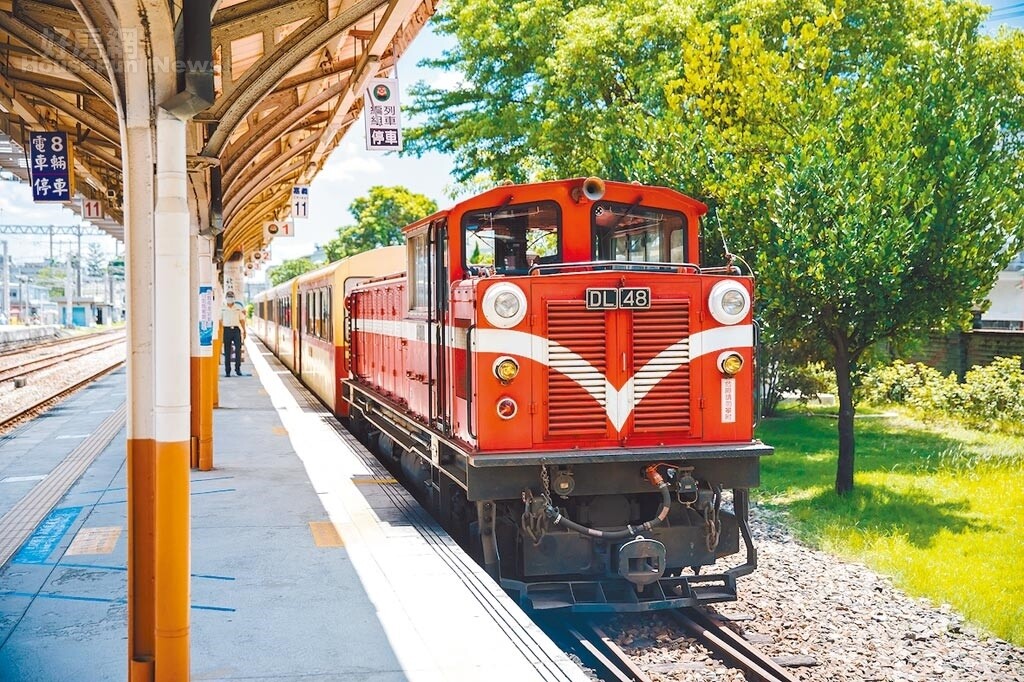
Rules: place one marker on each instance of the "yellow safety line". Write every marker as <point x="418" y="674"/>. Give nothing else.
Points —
<point x="97" y="540"/>
<point x="325" y="534"/>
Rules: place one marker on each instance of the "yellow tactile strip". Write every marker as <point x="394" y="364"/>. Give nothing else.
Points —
<point x="96" y="540"/>
<point x="21" y="520"/>
<point x="325" y="534"/>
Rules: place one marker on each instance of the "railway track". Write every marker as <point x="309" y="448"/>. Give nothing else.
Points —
<point x="12" y="353"/>
<point x="588" y="640"/>
<point x="728" y="646"/>
<point x="85" y="365"/>
<point x="26" y="368"/>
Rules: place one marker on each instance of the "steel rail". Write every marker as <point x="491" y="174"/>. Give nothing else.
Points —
<point x="8" y="422"/>
<point x="713" y="634"/>
<point x="54" y="360"/>
<point x="584" y="638"/>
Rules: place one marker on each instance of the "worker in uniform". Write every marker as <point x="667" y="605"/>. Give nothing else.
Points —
<point x="233" y="319"/>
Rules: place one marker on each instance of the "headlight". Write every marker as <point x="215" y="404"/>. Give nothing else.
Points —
<point x="504" y="305"/>
<point x="729" y="301"/>
<point x="730" y="363"/>
<point x="734" y="302"/>
<point x="506" y="369"/>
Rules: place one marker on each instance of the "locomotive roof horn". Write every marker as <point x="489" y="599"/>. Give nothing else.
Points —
<point x="592" y="188"/>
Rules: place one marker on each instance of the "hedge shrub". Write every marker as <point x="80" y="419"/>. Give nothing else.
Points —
<point x="992" y="395"/>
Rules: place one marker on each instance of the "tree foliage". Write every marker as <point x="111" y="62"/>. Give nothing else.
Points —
<point x="95" y="261"/>
<point x="288" y="269"/>
<point x="866" y="159"/>
<point x="557" y="89"/>
<point x="872" y="156"/>
<point x="380" y="216"/>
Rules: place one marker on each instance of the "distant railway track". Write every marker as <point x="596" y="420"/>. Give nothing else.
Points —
<point x="8" y="354"/>
<point x="21" y="401"/>
<point x="36" y="365"/>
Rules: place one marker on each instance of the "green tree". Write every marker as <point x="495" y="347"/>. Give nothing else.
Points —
<point x="54" y="279"/>
<point x="869" y="162"/>
<point x="95" y="261"/>
<point x="288" y="269"/>
<point x="380" y="217"/>
<point x="557" y="89"/>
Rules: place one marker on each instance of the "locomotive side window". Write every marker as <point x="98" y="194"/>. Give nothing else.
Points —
<point x="629" y="232"/>
<point x="418" y="272"/>
<point x="509" y="239"/>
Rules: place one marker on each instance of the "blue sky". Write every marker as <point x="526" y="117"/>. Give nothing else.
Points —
<point x="348" y="173"/>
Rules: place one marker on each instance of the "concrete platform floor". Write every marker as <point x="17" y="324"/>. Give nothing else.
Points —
<point x="307" y="564"/>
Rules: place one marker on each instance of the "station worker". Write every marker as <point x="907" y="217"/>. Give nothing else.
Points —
<point x="233" y="318"/>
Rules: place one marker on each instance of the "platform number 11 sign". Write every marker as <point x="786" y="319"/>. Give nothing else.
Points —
<point x="300" y="201"/>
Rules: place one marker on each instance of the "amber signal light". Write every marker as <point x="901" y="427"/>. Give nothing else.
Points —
<point x="506" y="369"/>
<point x="730" y="363"/>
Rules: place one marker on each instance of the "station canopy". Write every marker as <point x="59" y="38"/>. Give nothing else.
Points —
<point x="288" y="78"/>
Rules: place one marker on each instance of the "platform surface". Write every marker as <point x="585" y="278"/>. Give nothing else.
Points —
<point x="308" y="562"/>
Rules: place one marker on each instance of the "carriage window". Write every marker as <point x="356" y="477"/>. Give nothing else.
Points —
<point x="629" y="232"/>
<point x="418" y="271"/>
<point x="328" y="322"/>
<point x="509" y="239"/>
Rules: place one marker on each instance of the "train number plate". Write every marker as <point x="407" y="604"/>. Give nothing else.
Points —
<point x="630" y="298"/>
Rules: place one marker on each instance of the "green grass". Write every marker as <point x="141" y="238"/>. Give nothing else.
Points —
<point x="940" y="508"/>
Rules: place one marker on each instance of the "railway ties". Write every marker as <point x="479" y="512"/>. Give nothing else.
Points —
<point x="736" y="651"/>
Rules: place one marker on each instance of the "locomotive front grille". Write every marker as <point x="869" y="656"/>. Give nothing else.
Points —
<point x="580" y="341"/>
<point x="576" y="342"/>
<point x="661" y="357"/>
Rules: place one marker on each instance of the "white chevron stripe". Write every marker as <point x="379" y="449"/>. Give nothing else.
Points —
<point x="619" y="403"/>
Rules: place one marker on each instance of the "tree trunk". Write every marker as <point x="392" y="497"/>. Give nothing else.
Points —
<point x="844" y="471"/>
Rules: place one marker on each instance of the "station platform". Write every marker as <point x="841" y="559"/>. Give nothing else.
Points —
<point x="309" y="562"/>
<point x="17" y="335"/>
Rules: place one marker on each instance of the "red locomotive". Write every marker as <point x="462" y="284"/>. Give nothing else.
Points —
<point x="568" y="389"/>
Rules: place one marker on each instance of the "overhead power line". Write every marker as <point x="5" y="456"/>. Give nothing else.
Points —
<point x="76" y="230"/>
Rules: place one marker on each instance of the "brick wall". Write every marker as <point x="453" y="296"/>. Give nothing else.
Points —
<point x="960" y="351"/>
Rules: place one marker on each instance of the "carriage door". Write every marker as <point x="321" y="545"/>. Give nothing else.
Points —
<point x="300" y="330"/>
<point x="437" y="320"/>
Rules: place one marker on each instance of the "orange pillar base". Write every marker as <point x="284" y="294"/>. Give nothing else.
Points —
<point x="203" y="371"/>
<point x="173" y="563"/>
<point x="141" y="557"/>
<point x="218" y="355"/>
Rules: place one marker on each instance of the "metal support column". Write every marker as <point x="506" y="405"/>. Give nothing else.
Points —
<point x="204" y="365"/>
<point x="171" y="405"/>
<point x="157" y="248"/>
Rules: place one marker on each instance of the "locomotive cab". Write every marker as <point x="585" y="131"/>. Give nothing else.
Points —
<point x="578" y="394"/>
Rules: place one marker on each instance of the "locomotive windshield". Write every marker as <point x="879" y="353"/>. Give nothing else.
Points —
<point x="509" y="239"/>
<point x="630" y="232"/>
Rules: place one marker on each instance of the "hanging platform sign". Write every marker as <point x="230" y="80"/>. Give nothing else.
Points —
<point x="381" y="110"/>
<point x="300" y="201"/>
<point x="277" y="228"/>
<point x="51" y="162"/>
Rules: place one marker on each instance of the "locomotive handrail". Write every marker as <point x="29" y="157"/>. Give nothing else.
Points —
<point x="598" y="265"/>
<point x="469" y="381"/>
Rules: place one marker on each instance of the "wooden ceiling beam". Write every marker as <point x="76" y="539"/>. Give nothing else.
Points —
<point x="45" y="46"/>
